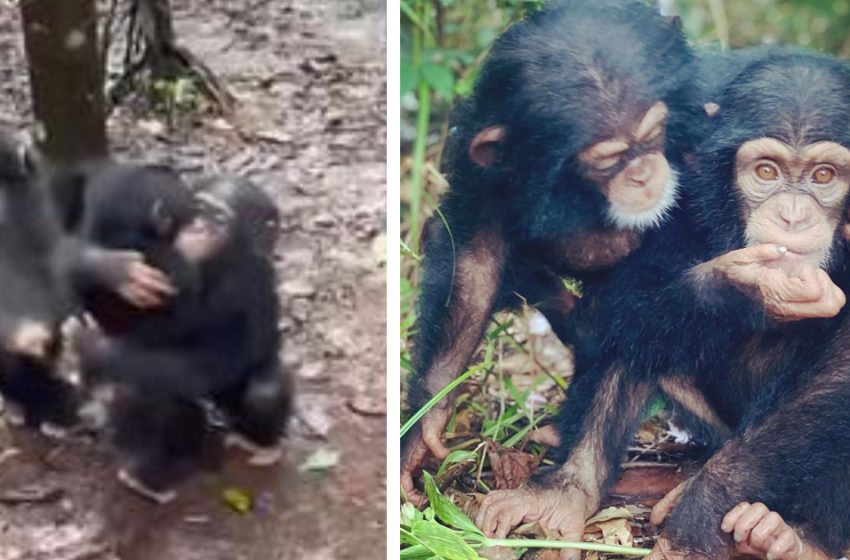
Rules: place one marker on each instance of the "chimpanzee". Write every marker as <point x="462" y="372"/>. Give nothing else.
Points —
<point x="769" y="398"/>
<point x="567" y="151"/>
<point x="216" y="339"/>
<point x="38" y="267"/>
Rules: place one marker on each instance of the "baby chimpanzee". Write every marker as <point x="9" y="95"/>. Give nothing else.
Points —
<point x="216" y="340"/>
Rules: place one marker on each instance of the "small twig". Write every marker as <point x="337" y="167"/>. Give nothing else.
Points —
<point x="32" y="495"/>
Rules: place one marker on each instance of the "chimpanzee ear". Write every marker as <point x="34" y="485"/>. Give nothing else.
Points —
<point x="711" y="108"/>
<point x="163" y="222"/>
<point x="484" y="149"/>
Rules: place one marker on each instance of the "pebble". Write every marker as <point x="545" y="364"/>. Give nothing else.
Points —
<point x="299" y="288"/>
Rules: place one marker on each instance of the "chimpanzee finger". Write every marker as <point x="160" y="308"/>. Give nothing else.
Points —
<point x="748" y="520"/>
<point x="732" y="517"/>
<point x="766" y="252"/>
<point x="767" y="531"/>
<point x="137" y="297"/>
<point x="151" y="278"/>
<point x="432" y="426"/>
<point x="787" y="546"/>
<point x="510" y="518"/>
<point x="486" y="516"/>
<point x="846" y="231"/>
<point x="799" y="290"/>
<point x="572" y="533"/>
<point x="663" y="508"/>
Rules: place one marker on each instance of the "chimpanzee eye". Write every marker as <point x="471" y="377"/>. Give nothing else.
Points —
<point x="823" y="175"/>
<point x="767" y="171"/>
<point x="606" y="163"/>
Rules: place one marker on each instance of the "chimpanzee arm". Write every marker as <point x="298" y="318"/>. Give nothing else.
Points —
<point x="794" y="460"/>
<point x="459" y="289"/>
<point x="604" y="408"/>
<point x="89" y="267"/>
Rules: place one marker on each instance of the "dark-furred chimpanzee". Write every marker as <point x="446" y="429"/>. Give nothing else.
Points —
<point x="216" y="339"/>
<point x="39" y="264"/>
<point x="768" y="398"/>
<point x="567" y="151"/>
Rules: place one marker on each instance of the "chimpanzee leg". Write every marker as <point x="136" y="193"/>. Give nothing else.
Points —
<point x="691" y="408"/>
<point x="258" y="407"/>
<point x="789" y="459"/>
<point x="161" y="439"/>
<point x="43" y="396"/>
<point x="459" y="289"/>
<point x="602" y="411"/>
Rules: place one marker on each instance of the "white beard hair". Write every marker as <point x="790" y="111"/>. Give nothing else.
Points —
<point x="653" y="217"/>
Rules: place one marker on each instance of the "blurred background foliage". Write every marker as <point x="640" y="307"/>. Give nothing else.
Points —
<point x="444" y="41"/>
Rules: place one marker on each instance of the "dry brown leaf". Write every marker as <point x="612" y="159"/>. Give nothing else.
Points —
<point x="617" y="532"/>
<point x="511" y="467"/>
<point x="610" y="513"/>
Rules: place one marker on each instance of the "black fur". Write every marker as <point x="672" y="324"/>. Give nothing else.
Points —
<point x="35" y="288"/>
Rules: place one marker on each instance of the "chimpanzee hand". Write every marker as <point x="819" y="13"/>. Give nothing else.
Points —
<point x="126" y="273"/>
<point x="786" y="293"/>
<point x="425" y="439"/>
<point x="764" y="534"/>
<point x="562" y="511"/>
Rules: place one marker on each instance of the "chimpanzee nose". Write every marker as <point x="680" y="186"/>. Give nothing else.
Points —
<point x="638" y="172"/>
<point x="796" y="215"/>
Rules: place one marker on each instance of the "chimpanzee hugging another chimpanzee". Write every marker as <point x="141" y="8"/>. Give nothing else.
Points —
<point x="182" y="287"/>
<point x="582" y="97"/>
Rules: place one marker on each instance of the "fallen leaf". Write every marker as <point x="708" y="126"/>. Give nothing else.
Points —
<point x="237" y="499"/>
<point x="617" y="532"/>
<point x="610" y="513"/>
<point x="511" y="468"/>
<point x="322" y="459"/>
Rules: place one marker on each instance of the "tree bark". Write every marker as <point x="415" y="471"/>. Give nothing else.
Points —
<point x="66" y="78"/>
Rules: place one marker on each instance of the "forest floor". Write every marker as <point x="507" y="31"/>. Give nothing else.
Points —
<point x="310" y="127"/>
<point x="522" y="370"/>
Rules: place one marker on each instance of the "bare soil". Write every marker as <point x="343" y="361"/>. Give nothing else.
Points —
<point x="309" y="77"/>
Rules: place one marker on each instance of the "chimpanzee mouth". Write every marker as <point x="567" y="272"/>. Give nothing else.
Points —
<point x="652" y="217"/>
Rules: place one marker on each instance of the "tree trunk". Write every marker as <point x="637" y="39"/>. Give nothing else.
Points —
<point x="65" y="78"/>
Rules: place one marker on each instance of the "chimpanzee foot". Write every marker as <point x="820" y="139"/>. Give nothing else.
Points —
<point x="133" y="483"/>
<point x="763" y="533"/>
<point x="260" y="456"/>
<point x="425" y="441"/>
<point x="562" y="511"/>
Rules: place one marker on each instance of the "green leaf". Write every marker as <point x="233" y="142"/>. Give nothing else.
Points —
<point x="440" y="78"/>
<point x="409" y="514"/>
<point x="415" y="552"/>
<point x="443" y="541"/>
<point x="457" y="456"/>
<point x="409" y="77"/>
<point x="446" y="511"/>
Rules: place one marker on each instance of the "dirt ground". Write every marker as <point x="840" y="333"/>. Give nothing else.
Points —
<point x="309" y="77"/>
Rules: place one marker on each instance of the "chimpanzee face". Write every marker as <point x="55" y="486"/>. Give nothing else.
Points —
<point x="793" y="195"/>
